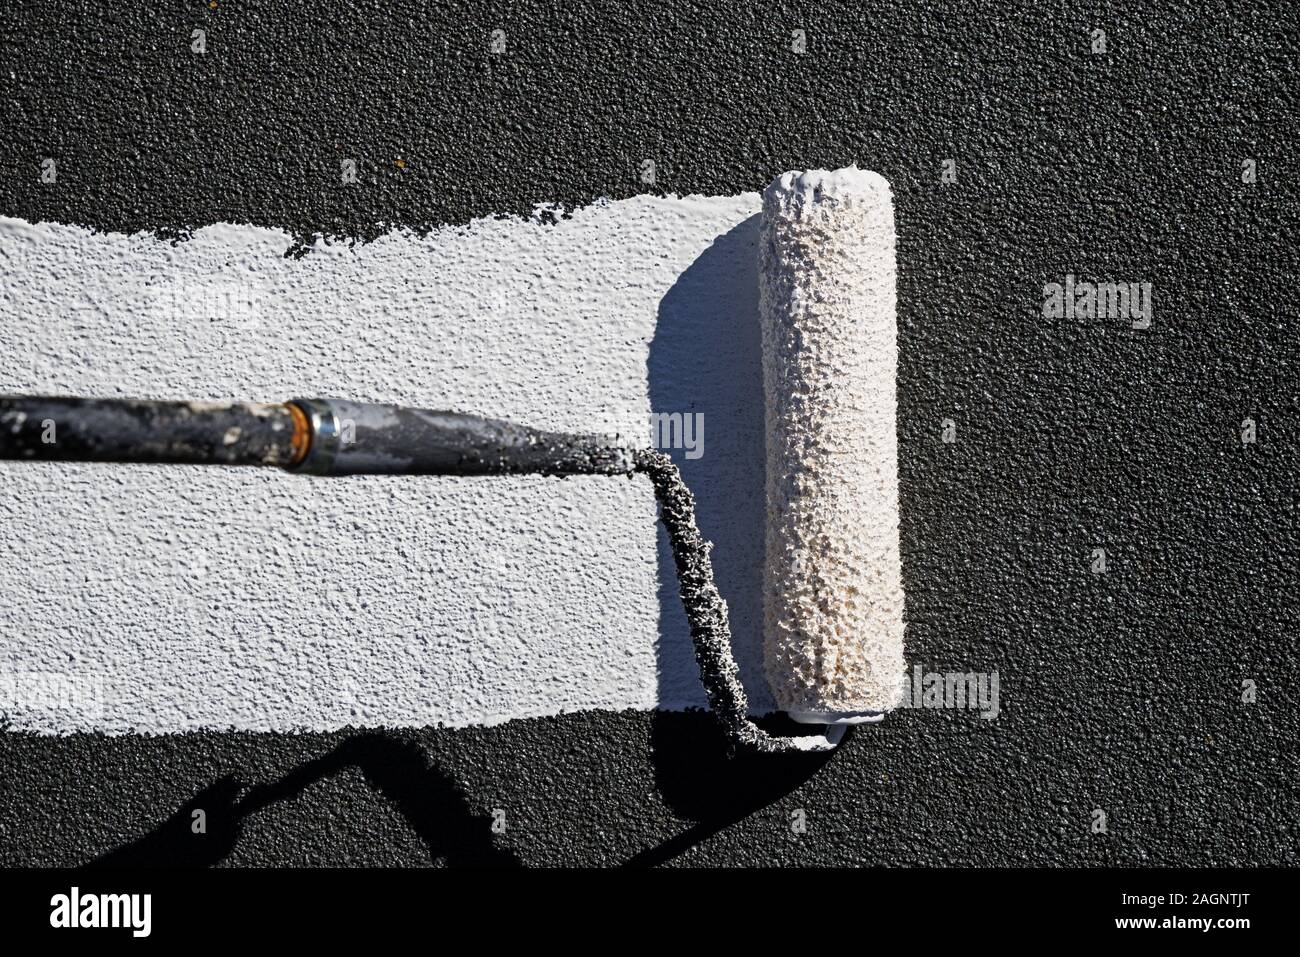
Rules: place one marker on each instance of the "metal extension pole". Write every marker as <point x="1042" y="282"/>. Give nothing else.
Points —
<point x="312" y="436"/>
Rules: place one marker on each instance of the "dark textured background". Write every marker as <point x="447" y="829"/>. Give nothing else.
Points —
<point x="1119" y="692"/>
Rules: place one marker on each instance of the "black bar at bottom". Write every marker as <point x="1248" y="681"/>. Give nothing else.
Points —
<point x="927" y="910"/>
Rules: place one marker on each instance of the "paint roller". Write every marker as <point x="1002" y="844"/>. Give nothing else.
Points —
<point x="833" y="590"/>
<point x="833" y="630"/>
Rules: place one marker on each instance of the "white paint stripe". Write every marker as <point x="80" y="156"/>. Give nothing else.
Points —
<point x="155" y="599"/>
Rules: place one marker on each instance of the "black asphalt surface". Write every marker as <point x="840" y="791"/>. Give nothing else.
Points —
<point x="1120" y="692"/>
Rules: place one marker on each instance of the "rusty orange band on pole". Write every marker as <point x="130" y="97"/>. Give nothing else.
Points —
<point x="300" y="443"/>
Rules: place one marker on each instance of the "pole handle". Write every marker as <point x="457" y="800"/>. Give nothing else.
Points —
<point x="312" y="436"/>
<point x="61" y="429"/>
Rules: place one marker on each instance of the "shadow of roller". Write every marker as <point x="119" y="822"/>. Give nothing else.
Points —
<point x="700" y="782"/>
<point x="706" y="357"/>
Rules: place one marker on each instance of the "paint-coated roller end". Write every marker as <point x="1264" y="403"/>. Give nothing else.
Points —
<point x="836" y="719"/>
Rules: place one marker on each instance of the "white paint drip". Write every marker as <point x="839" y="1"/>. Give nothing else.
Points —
<point x="160" y="599"/>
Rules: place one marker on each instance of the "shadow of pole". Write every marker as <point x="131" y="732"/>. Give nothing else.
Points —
<point x="400" y="770"/>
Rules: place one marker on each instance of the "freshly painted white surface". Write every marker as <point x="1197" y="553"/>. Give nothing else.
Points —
<point x="155" y="599"/>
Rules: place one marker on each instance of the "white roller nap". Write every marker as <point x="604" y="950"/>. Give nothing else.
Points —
<point x="833" y="589"/>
